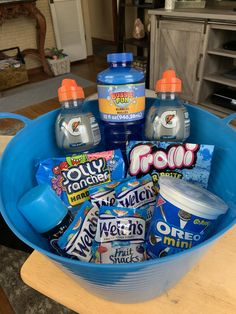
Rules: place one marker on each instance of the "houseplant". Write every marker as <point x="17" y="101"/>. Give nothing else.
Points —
<point x="58" y="61"/>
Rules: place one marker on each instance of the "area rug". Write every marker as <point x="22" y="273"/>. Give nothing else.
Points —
<point x="34" y="93"/>
<point x="23" y="299"/>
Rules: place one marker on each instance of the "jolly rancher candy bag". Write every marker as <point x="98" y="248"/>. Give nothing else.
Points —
<point x="71" y="177"/>
<point x="120" y="235"/>
<point x="190" y="162"/>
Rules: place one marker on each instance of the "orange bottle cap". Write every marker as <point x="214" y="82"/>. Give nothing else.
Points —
<point x="169" y="83"/>
<point x="69" y="90"/>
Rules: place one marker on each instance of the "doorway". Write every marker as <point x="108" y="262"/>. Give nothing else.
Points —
<point x="103" y="25"/>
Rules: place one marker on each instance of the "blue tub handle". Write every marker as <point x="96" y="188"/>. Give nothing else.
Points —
<point x="9" y="115"/>
<point x="229" y="118"/>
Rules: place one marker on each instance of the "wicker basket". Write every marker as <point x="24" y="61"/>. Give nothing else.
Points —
<point x="59" y="66"/>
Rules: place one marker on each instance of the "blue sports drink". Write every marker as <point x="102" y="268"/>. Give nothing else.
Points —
<point x="121" y="97"/>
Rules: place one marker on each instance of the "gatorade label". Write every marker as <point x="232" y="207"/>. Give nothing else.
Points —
<point x="76" y="128"/>
<point x="121" y="103"/>
<point x="169" y="119"/>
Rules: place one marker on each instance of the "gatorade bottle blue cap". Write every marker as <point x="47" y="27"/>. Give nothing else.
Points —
<point x="120" y="57"/>
<point x="42" y="208"/>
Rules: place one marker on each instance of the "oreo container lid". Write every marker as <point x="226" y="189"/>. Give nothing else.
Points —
<point x="192" y="198"/>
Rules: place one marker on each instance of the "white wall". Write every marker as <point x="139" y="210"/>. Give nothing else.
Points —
<point x="21" y="32"/>
<point x="87" y="27"/>
<point x="101" y="19"/>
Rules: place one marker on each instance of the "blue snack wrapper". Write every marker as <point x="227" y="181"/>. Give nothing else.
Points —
<point x="104" y="195"/>
<point x="120" y="235"/>
<point x="72" y="176"/>
<point x="190" y="162"/>
<point x="77" y="240"/>
<point x="137" y="193"/>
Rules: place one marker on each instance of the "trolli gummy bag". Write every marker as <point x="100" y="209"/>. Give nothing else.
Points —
<point x="120" y="235"/>
<point x="190" y="162"/>
<point x="71" y="177"/>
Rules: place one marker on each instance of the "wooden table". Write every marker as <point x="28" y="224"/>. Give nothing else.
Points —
<point x="3" y="142"/>
<point x="210" y="287"/>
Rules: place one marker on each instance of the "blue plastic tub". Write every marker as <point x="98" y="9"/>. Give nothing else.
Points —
<point x="127" y="283"/>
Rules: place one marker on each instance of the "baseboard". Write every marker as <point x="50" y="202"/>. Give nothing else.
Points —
<point x="35" y="71"/>
<point x="104" y="41"/>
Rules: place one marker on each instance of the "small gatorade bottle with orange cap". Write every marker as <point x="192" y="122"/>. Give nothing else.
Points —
<point x="75" y="129"/>
<point x="168" y="120"/>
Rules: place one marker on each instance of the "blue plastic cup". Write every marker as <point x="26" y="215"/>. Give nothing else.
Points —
<point x="42" y="208"/>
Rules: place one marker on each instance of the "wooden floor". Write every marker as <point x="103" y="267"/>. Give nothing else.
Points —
<point x="5" y="307"/>
<point x="87" y="69"/>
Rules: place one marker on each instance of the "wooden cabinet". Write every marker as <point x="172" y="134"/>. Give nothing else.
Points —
<point x="192" y="43"/>
<point x="217" y="62"/>
<point x="179" y="46"/>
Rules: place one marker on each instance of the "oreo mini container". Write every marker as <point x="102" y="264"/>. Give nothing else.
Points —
<point x="183" y="217"/>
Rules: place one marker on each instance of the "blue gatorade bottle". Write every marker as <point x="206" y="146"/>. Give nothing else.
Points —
<point x="76" y="129"/>
<point x="121" y="97"/>
<point x="168" y="120"/>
